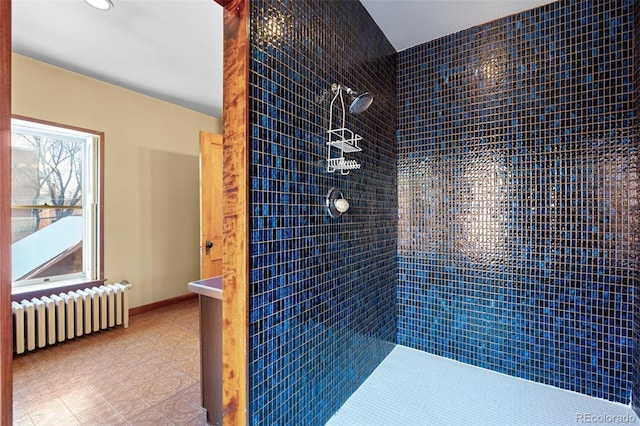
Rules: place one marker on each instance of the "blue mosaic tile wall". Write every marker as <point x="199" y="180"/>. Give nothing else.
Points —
<point x="635" y="387"/>
<point x="322" y="290"/>
<point x="518" y="196"/>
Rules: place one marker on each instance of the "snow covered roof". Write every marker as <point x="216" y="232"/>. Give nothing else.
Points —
<point x="45" y="245"/>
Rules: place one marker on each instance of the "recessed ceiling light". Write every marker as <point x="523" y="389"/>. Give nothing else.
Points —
<point x="100" y="4"/>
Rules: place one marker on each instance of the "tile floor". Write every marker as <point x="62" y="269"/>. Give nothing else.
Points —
<point x="147" y="374"/>
<point x="413" y="388"/>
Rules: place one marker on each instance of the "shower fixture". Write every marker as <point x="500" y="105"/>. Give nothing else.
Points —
<point x="359" y="103"/>
<point x="341" y="138"/>
<point x="336" y="203"/>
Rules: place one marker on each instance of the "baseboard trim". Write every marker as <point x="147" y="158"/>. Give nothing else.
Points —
<point x="161" y="304"/>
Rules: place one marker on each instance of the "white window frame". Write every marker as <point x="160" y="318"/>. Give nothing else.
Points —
<point x="91" y="200"/>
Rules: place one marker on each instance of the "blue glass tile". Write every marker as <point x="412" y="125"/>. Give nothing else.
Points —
<point x="322" y="291"/>
<point x="492" y="221"/>
<point x="514" y="173"/>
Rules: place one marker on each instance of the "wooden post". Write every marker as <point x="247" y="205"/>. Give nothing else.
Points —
<point x="235" y="255"/>
<point x="6" y="321"/>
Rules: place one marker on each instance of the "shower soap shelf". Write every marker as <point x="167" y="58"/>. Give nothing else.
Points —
<point x="341" y="164"/>
<point x="345" y="140"/>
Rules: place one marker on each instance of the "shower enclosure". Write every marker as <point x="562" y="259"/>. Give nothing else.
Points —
<point x="493" y="219"/>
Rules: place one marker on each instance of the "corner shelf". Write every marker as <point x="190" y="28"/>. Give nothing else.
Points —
<point x="345" y="140"/>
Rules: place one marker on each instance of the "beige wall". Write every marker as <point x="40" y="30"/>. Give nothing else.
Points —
<point x="152" y="217"/>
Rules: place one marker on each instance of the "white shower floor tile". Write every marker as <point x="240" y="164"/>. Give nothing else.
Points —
<point x="411" y="387"/>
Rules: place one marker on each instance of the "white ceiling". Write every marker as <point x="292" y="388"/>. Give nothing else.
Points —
<point x="407" y="23"/>
<point x="168" y="49"/>
<point x="172" y="49"/>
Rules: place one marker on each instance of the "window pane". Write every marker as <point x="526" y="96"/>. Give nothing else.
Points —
<point x="46" y="170"/>
<point x="46" y="243"/>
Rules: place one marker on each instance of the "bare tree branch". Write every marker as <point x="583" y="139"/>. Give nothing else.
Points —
<point x="58" y="178"/>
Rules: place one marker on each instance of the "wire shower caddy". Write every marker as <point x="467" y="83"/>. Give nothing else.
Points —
<point x="341" y="139"/>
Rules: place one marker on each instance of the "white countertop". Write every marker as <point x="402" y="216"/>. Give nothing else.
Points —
<point x="210" y="287"/>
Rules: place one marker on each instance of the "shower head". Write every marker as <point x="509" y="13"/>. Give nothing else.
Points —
<point x="361" y="103"/>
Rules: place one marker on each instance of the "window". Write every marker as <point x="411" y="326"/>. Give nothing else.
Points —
<point x="55" y="201"/>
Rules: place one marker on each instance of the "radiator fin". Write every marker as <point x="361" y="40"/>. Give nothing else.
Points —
<point x="40" y="325"/>
<point x="41" y="322"/>
<point x="18" y="326"/>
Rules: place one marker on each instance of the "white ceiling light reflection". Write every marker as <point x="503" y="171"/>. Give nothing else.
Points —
<point x="100" y="4"/>
<point x="484" y="206"/>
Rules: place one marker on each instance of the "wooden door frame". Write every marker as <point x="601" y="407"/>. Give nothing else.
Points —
<point x="235" y="253"/>
<point x="6" y="321"/>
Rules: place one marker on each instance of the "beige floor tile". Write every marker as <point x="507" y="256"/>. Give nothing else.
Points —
<point x="100" y="414"/>
<point x="154" y="366"/>
<point x="150" y="417"/>
<point x="177" y="380"/>
<point x="35" y="395"/>
<point x="153" y="391"/>
<point x="198" y="420"/>
<point x="179" y="410"/>
<point x="111" y="383"/>
<point x="128" y="405"/>
<point x="82" y="399"/>
<point x="23" y="420"/>
<point x="18" y="408"/>
<point x="137" y="376"/>
<point x="188" y="366"/>
<point x="192" y="393"/>
<point x="54" y="412"/>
